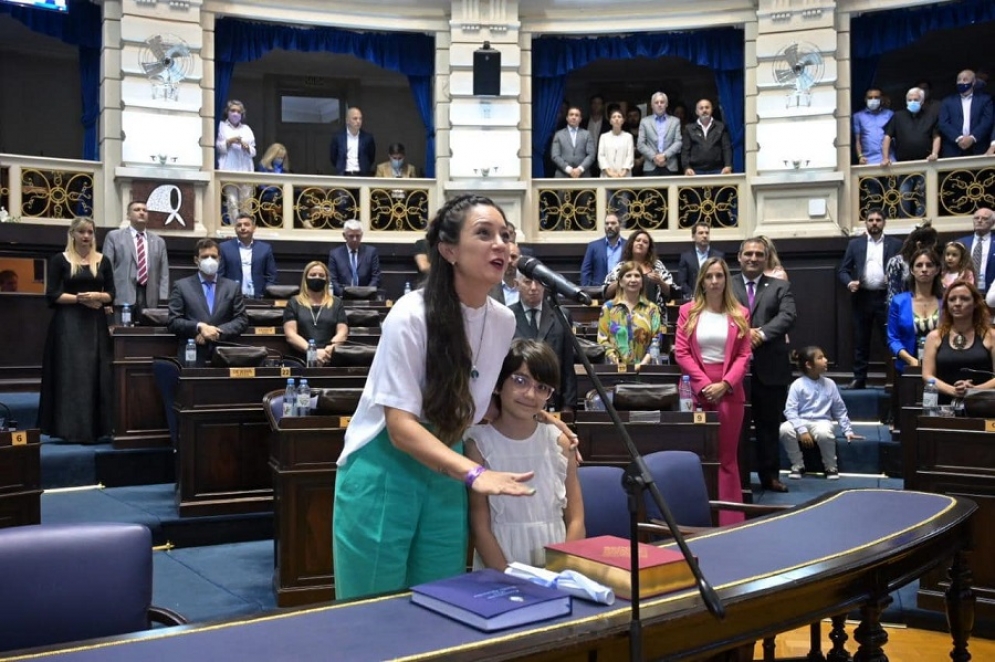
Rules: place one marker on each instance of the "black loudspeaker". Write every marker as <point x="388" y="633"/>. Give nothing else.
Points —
<point x="486" y="71"/>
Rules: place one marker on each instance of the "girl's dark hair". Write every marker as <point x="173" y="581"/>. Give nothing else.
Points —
<point x="538" y="356"/>
<point x="446" y="401"/>
<point x="924" y="236"/>
<point x="937" y="287"/>
<point x="806" y="355"/>
<point x="651" y="257"/>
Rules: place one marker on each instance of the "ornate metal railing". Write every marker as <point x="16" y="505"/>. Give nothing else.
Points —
<point x="40" y="190"/>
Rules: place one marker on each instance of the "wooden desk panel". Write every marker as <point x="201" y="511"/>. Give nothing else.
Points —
<point x="20" y="479"/>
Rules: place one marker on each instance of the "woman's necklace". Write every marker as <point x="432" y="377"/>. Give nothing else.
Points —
<point x="474" y="373"/>
<point x="959" y="341"/>
<point x="314" y="317"/>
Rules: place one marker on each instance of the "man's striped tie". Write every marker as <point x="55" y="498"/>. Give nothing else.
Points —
<point x="143" y="267"/>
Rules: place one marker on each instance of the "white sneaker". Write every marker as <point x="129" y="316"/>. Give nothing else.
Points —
<point x="832" y="474"/>
<point x="795" y="474"/>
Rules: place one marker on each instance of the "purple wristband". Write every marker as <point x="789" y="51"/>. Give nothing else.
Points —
<point x="473" y="474"/>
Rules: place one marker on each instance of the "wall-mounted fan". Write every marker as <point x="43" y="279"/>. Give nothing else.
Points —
<point x="166" y="60"/>
<point x="800" y="67"/>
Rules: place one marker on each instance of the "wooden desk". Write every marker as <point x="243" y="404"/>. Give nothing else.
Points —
<point x="223" y="450"/>
<point x="956" y="456"/>
<point x="20" y="478"/>
<point x="767" y="587"/>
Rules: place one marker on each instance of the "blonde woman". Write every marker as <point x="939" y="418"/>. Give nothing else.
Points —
<point x="629" y="322"/>
<point x="275" y="159"/>
<point x="315" y="314"/>
<point x="774" y="268"/>
<point x="76" y="384"/>
<point x="712" y="346"/>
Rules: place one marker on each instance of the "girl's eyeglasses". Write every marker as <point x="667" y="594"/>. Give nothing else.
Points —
<point x="524" y="383"/>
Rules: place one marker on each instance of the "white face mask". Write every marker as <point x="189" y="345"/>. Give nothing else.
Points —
<point x="873" y="104"/>
<point x="208" y="266"/>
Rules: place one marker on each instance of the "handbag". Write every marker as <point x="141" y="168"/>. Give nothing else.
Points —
<point x="154" y="317"/>
<point x="594" y="352"/>
<point x="338" y="401"/>
<point x="239" y="357"/>
<point x="352" y="356"/>
<point x="359" y="292"/>
<point x="645" y="397"/>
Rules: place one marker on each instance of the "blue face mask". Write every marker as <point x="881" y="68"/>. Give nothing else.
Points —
<point x="964" y="87"/>
<point x="913" y="106"/>
<point x="277" y="163"/>
<point x="396" y="163"/>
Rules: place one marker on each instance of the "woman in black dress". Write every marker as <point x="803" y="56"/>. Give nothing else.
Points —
<point x="960" y="354"/>
<point x="76" y="383"/>
<point x="315" y="314"/>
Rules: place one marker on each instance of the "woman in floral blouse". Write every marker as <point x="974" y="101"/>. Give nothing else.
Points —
<point x="629" y="322"/>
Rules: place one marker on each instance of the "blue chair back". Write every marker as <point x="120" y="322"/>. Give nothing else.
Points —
<point x="166" y="372"/>
<point x="606" y="511"/>
<point x="681" y="481"/>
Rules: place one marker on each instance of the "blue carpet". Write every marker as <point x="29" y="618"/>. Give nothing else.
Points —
<point x="23" y="408"/>
<point x="865" y="404"/>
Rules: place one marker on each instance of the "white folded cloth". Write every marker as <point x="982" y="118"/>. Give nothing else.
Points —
<point x="568" y="581"/>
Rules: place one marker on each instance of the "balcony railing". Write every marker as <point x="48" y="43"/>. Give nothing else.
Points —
<point x="44" y="190"/>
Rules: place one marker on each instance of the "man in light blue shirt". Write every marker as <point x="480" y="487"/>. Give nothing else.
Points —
<point x="868" y="128"/>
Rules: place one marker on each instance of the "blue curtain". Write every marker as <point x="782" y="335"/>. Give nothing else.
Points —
<point x="80" y="27"/>
<point x="554" y="57"/>
<point x="410" y="54"/>
<point x="875" y="33"/>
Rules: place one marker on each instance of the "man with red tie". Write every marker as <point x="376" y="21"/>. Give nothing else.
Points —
<point x="138" y="257"/>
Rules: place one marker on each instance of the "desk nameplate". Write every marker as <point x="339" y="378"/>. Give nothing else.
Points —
<point x="244" y="373"/>
<point x="264" y="330"/>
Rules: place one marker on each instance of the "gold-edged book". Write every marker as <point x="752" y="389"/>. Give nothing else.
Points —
<point x="605" y="559"/>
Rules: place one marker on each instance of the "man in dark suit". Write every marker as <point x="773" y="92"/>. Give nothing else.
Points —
<point x="353" y="151"/>
<point x="862" y="272"/>
<point x="691" y="261"/>
<point x="573" y="148"/>
<point x="772" y="314"/>
<point x="354" y="263"/>
<point x="507" y="291"/>
<point x="965" y="119"/>
<point x="205" y="307"/>
<point x="706" y="148"/>
<point x="535" y="321"/>
<point x="602" y="255"/>
<point x="982" y="248"/>
<point x="247" y="262"/>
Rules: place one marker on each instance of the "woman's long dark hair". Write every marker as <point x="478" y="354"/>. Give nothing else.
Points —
<point x="651" y="257"/>
<point x="447" y="402"/>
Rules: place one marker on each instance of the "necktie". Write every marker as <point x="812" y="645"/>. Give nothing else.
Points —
<point x="209" y="295"/>
<point x="750" y="293"/>
<point x="355" y="268"/>
<point x="976" y="254"/>
<point x="143" y="267"/>
<point x="534" y="322"/>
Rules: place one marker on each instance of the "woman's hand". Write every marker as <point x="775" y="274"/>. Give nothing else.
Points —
<point x="714" y="392"/>
<point x="502" y="482"/>
<point x="90" y="299"/>
<point x="546" y="417"/>
<point x="324" y="355"/>
<point x="806" y="440"/>
<point x="961" y="386"/>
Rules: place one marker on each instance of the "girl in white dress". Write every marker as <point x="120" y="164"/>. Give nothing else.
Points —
<point x="507" y="529"/>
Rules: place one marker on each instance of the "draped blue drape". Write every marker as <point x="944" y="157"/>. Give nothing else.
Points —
<point x="410" y="54"/>
<point x="553" y="58"/>
<point x="875" y="33"/>
<point x="80" y="27"/>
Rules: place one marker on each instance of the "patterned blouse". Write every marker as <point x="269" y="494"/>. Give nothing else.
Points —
<point x="626" y="334"/>
<point x="650" y="289"/>
<point x="896" y="272"/>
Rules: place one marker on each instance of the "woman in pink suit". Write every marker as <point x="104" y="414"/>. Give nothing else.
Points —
<point x="713" y="347"/>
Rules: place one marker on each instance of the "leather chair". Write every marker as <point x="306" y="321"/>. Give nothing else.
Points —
<point x="166" y="372"/>
<point x="67" y="582"/>
<point x="606" y="511"/>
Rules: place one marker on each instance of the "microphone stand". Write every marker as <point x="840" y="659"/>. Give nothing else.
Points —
<point x="637" y="478"/>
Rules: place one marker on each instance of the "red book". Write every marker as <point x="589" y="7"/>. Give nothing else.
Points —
<point x="605" y="559"/>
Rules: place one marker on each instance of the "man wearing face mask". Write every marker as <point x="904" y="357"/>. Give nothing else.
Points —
<point x="868" y="128"/>
<point x="911" y="133"/>
<point x="204" y="306"/>
<point x="965" y="119"/>
<point x="396" y="167"/>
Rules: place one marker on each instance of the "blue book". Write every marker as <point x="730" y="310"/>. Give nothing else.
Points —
<point x="490" y="600"/>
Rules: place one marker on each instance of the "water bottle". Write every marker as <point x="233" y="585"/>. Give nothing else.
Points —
<point x="930" y="399"/>
<point x="685" y="394"/>
<point x="655" y="351"/>
<point x="312" y="354"/>
<point x="190" y="354"/>
<point x="249" y="291"/>
<point x="407" y="287"/>
<point x="126" y="315"/>
<point x="303" y="399"/>
<point x="289" y="399"/>
<point x="921" y="349"/>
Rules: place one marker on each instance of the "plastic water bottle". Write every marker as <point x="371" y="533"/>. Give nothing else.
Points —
<point x="407" y="287"/>
<point x="289" y="399"/>
<point x="312" y="354"/>
<point x="303" y="399"/>
<point x="190" y="354"/>
<point x="921" y="349"/>
<point x="249" y="291"/>
<point x="930" y="399"/>
<point x="685" y="394"/>
<point x="655" y="351"/>
<point x="126" y="315"/>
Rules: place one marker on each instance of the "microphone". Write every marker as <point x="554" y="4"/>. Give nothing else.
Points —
<point x="983" y="373"/>
<point x="536" y="270"/>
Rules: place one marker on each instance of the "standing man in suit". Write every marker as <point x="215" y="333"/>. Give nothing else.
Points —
<point x="965" y="119"/>
<point x="602" y="255"/>
<point x="138" y="257"/>
<point x="706" y="148"/>
<point x="573" y="148"/>
<point x="659" y="139"/>
<point x="981" y="247"/>
<point x="353" y="151"/>
<point x="204" y="306"/>
<point x="536" y="322"/>
<point x="247" y="262"/>
<point x="862" y="272"/>
<point x="691" y="261"/>
<point x="772" y="314"/>
<point x="353" y="264"/>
